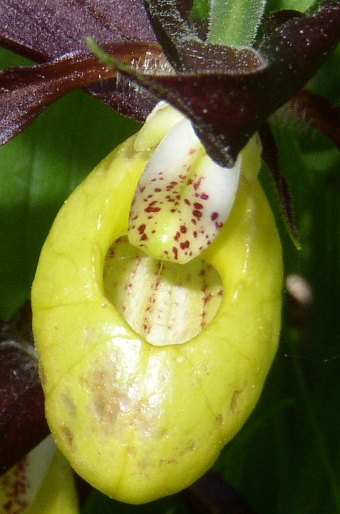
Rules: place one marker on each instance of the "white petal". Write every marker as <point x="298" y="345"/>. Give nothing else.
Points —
<point x="183" y="198"/>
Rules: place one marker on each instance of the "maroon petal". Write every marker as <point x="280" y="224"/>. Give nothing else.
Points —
<point x="25" y="92"/>
<point x="318" y="112"/>
<point x="49" y="29"/>
<point x="270" y="155"/>
<point x="46" y="29"/>
<point x="22" y="415"/>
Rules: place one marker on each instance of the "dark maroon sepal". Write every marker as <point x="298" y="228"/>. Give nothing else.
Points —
<point x="22" y="416"/>
<point x="227" y="107"/>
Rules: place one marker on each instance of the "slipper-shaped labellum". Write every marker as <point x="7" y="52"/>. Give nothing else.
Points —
<point x="42" y="482"/>
<point x="152" y="359"/>
<point x="183" y="198"/>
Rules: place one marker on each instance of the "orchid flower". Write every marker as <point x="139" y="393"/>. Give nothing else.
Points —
<point x="274" y="71"/>
<point x="121" y="332"/>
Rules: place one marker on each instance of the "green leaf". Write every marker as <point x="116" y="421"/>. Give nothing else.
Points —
<point x="235" y="22"/>
<point x="200" y="9"/>
<point x="298" y="5"/>
<point x="38" y="170"/>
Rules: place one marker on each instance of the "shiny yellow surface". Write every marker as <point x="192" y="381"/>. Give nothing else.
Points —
<point x="136" y="420"/>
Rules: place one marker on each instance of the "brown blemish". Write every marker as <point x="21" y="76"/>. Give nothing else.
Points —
<point x="67" y="436"/>
<point x="105" y="400"/>
<point x="69" y="405"/>
<point x="167" y="461"/>
<point x="131" y="450"/>
<point x="163" y="433"/>
<point x="117" y="407"/>
<point x="220" y="420"/>
<point x="142" y="464"/>
<point x="189" y="447"/>
<point x="234" y="401"/>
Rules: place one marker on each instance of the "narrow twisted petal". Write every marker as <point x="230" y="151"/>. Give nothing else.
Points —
<point x="26" y="91"/>
<point x="49" y="30"/>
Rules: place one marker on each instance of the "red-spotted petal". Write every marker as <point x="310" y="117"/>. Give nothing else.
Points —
<point x="183" y="198"/>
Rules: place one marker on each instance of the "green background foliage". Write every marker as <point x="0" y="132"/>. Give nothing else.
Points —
<point x="286" y="459"/>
